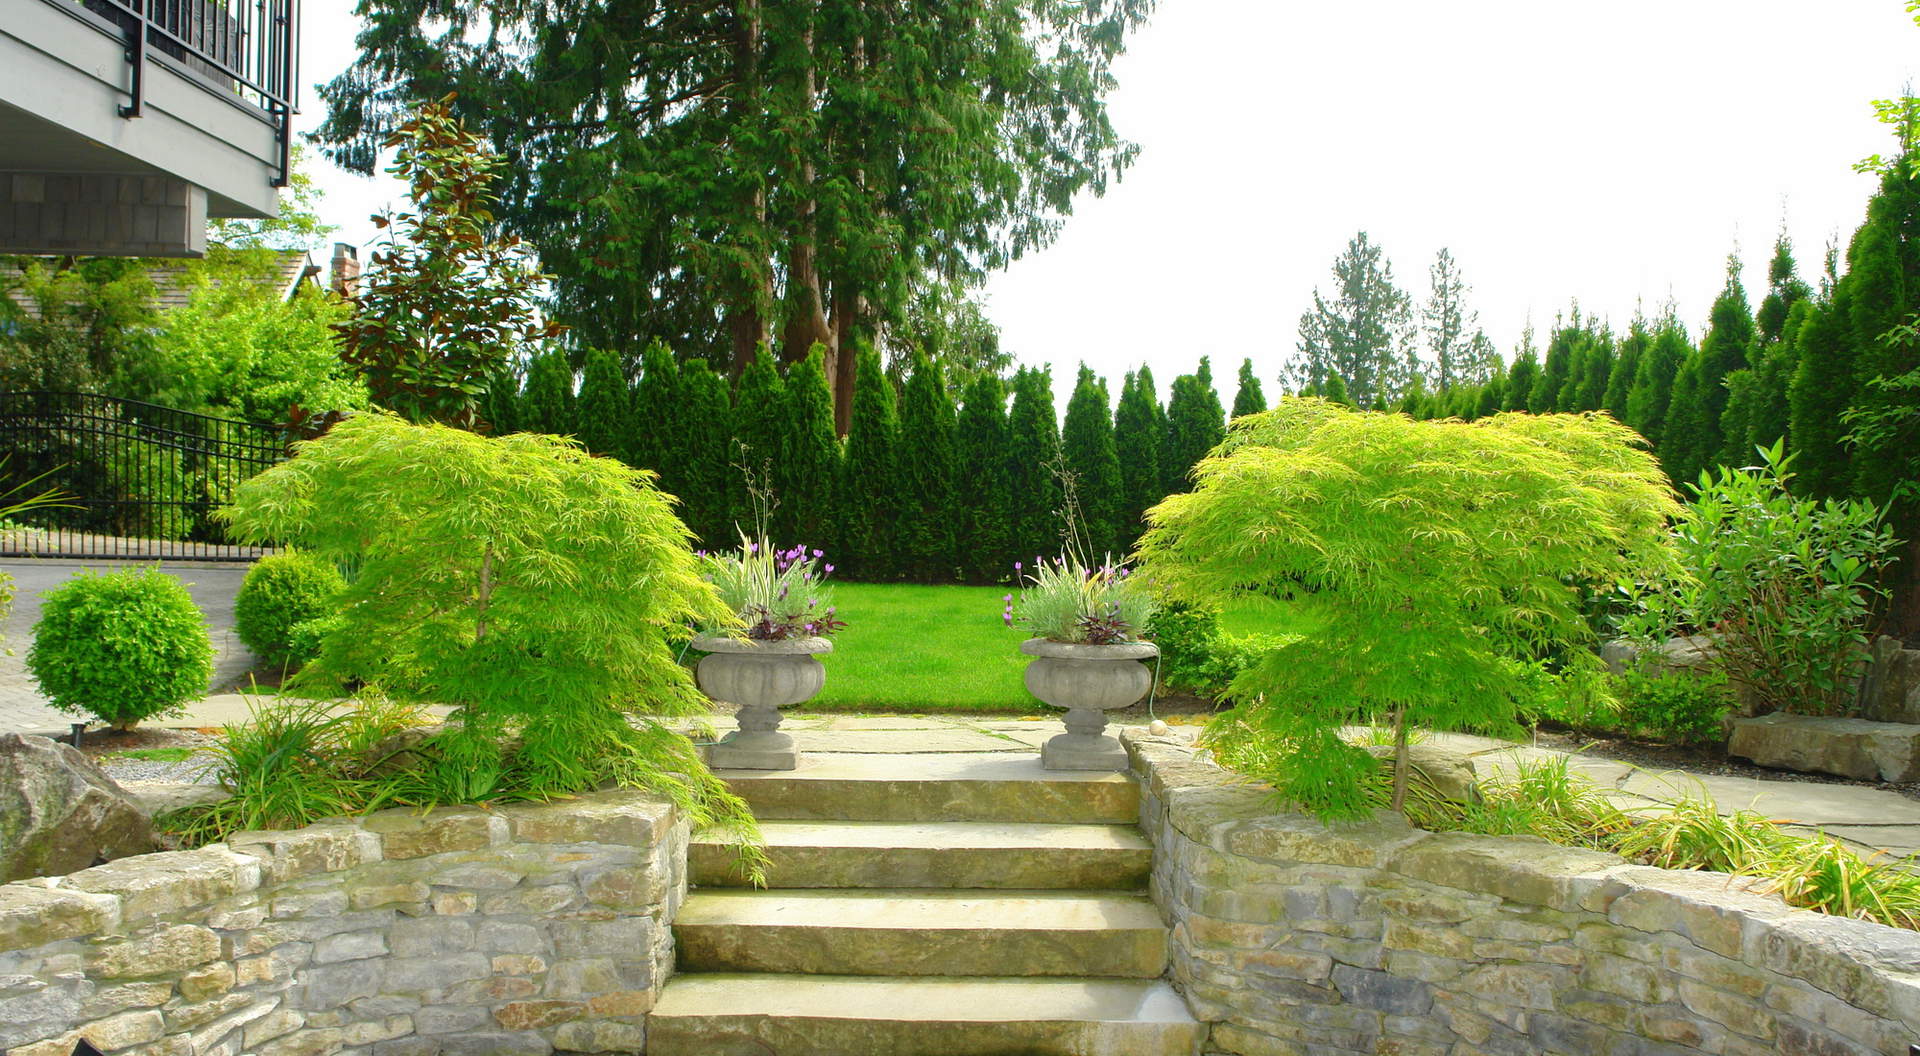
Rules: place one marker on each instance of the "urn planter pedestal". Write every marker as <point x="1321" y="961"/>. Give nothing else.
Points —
<point x="760" y="678"/>
<point x="1088" y="681"/>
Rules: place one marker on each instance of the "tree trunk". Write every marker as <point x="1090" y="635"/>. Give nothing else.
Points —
<point x="753" y="290"/>
<point x="847" y="309"/>
<point x="1400" y="760"/>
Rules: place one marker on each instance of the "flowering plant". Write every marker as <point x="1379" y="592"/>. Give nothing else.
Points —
<point x="1066" y="600"/>
<point x="776" y="593"/>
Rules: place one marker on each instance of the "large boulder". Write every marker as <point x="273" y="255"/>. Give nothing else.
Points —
<point x="1856" y="748"/>
<point x="60" y="814"/>
<point x="1890" y="689"/>
<point x="1447" y="769"/>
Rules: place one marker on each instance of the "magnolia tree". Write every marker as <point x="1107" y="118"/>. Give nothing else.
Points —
<point x="1424" y="557"/>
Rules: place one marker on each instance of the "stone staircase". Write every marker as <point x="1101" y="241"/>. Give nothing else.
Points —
<point x="927" y="905"/>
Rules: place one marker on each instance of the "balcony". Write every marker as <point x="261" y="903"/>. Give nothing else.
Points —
<point x="125" y="124"/>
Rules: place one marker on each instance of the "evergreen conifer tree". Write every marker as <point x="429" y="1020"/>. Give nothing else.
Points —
<point x="704" y="456"/>
<point x="1723" y="350"/>
<point x="1335" y="389"/>
<point x="761" y="420"/>
<point x="1493" y="397"/>
<point x="547" y="404"/>
<point x="1136" y="441"/>
<point x="499" y="412"/>
<point x="1247" y="399"/>
<point x="1195" y="423"/>
<point x="985" y="508"/>
<point x="1652" y="393"/>
<point x="1087" y="442"/>
<point x="655" y="417"/>
<point x="1556" y="370"/>
<point x="1821" y="390"/>
<point x="1521" y="381"/>
<point x="1593" y="363"/>
<point x="1688" y="442"/>
<point x="1784" y="290"/>
<point x="1626" y="362"/>
<point x="1033" y="451"/>
<point x="869" y="503"/>
<point x="602" y="412"/>
<point x="927" y="471"/>
<point x="809" y="468"/>
<point x="1881" y="272"/>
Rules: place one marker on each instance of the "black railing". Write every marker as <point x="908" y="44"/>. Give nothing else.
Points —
<point x="247" y="47"/>
<point x="139" y="480"/>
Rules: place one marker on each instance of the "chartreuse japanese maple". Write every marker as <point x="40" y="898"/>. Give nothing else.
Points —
<point x="529" y="585"/>
<point x="1424" y="556"/>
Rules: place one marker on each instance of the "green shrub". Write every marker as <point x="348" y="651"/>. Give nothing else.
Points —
<point x="1783" y="585"/>
<point x="281" y="592"/>
<point x="1676" y="706"/>
<point x="306" y="638"/>
<point x="1185" y="634"/>
<point x="122" y="646"/>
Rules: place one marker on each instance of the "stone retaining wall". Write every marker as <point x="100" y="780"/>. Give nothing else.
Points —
<point x="463" y="931"/>
<point x="1291" y="938"/>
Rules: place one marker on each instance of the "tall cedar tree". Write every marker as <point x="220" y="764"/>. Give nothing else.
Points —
<point x="730" y="174"/>
<point x="985" y="506"/>
<point x="656" y="417"/>
<point x="1194" y="424"/>
<point x="1723" y="350"/>
<point x="1556" y="368"/>
<point x="928" y="470"/>
<point x="498" y="407"/>
<point x="1136" y="442"/>
<point x="1653" y="378"/>
<point x="1885" y="274"/>
<point x="704" y="456"/>
<point x="547" y="404"/>
<point x="809" y="469"/>
<point x="602" y="412"/>
<point x="1593" y="363"/>
<point x="1820" y="393"/>
<point x="1087" y="441"/>
<point x="1033" y="450"/>
<point x="1247" y="397"/>
<point x="760" y="422"/>
<point x="1364" y="333"/>
<point x="1686" y="444"/>
<point x="869" y="503"/>
<point x="1626" y="362"/>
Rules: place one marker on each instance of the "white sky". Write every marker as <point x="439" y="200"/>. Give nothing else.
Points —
<point x="1612" y="153"/>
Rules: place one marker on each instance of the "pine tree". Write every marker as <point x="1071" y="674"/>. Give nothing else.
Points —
<point x="703" y="456"/>
<point x="1247" y="399"/>
<point x="869" y="503"/>
<point x="1033" y="450"/>
<point x="602" y="412"/>
<point x="985" y="507"/>
<point x="1087" y="443"/>
<point x="1364" y="334"/>
<point x="1458" y="351"/>
<point x="547" y="404"/>
<point x="656" y="415"/>
<point x="1136" y="440"/>
<point x="927" y="473"/>
<point x="809" y="467"/>
<point x="761" y="419"/>
<point x="1821" y="391"/>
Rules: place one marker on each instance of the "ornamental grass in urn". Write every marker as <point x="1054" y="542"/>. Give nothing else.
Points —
<point x="770" y="660"/>
<point x="1086" y="621"/>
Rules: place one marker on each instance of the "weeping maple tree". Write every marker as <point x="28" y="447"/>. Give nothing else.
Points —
<point x="1423" y="559"/>
<point x="446" y="302"/>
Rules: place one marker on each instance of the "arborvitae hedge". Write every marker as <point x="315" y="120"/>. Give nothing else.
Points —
<point x="656" y="416"/>
<point x="1136" y="442"/>
<point x="806" y="476"/>
<point x="547" y="404"/>
<point x="1195" y="423"/>
<point x="603" y="412"/>
<point x="760" y="419"/>
<point x="499" y="407"/>
<point x="984" y="503"/>
<point x="1821" y="390"/>
<point x="704" y="457"/>
<point x="1248" y="398"/>
<point x="1652" y="391"/>
<point x="1033" y="452"/>
<point x="927" y="468"/>
<point x="1087" y="442"/>
<point x="869" y="493"/>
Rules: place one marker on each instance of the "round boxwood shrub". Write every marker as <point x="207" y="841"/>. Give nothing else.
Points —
<point x="280" y="592"/>
<point x="121" y="646"/>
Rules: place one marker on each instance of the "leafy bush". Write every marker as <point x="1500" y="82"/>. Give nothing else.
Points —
<point x="122" y="646"/>
<point x="1676" y="706"/>
<point x="1425" y="556"/>
<point x="1195" y="656"/>
<point x="1784" y="586"/>
<point x="306" y="638"/>
<point x="282" y="591"/>
<point x="527" y="584"/>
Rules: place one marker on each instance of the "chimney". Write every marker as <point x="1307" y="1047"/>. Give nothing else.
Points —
<point x="346" y="270"/>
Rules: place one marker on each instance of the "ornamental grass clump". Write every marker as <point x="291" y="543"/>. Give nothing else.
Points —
<point x="1065" y="600"/>
<point x="526" y="583"/>
<point x="1424" y="557"/>
<point x="774" y="595"/>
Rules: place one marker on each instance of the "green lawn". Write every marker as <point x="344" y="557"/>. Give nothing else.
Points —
<point x="925" y="649"/>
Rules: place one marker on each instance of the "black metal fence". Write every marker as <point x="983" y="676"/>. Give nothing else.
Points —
<point x="141" y="481"/>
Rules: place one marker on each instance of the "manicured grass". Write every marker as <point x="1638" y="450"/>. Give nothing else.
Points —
<point x="936" y="649"/>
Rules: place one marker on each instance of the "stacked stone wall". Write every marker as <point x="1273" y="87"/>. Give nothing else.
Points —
<point x="1293" y="938"/>
<point x="523" y="930"/>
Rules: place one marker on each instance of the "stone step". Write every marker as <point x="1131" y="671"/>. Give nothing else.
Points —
<point x="936" y="786"/>
<point x="837" y="1015"/>
<point x="954" y="933"/>
<point x="952" y="854"/>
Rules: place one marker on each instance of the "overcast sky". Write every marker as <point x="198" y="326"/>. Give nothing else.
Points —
<point x="1609" y="153"/>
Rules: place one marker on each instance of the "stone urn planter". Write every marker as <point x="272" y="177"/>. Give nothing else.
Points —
<point x="760" y="678"/>
<point x="1088" y="681"/>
